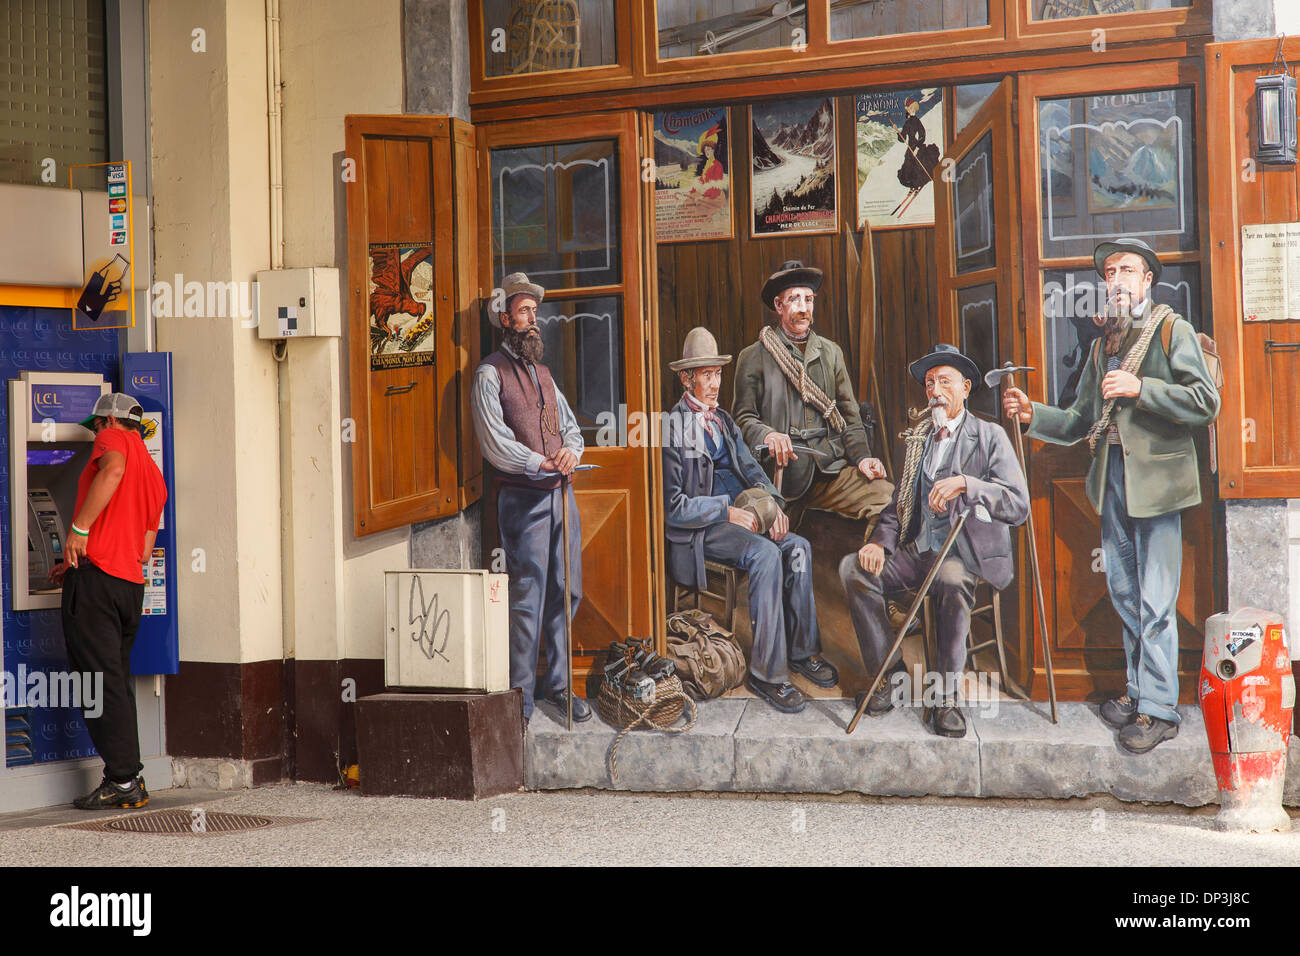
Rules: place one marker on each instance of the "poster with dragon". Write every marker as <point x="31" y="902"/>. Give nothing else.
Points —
<point x="401" y="305"/>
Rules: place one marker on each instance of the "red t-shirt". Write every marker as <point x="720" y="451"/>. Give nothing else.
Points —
<point x="117" y="536"/>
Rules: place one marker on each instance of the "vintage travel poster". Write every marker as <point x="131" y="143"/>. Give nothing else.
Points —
<point x="792" y="167"/>
<point x="692" y="175"/>
<point x="401" y="305"/>
<point x="900" y="137"/>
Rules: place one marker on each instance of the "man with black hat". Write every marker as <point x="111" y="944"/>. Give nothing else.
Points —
<point x="529" y="435"/>
<point x="954" y="461"/>
<point x="120" y="498"/>
<point x="719" y="505"/>
<point x="792" y="387"/>
<point x="1144" y="387"/>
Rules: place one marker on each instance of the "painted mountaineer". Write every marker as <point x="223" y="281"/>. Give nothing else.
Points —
<point x="954" y="461"/>
<point x="529" y="435"/>
<point x="1144" y="386"/>
<point x="719" y="506"/>
<point x="792" y="387"/>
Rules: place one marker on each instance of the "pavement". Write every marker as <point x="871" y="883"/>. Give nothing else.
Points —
<point x="1011" y="750"/>
<point x="598" y="828"/>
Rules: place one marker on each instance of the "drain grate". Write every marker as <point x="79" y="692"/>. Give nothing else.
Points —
<point x="195" y="821"/>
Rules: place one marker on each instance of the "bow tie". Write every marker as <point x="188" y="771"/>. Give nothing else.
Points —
<point x="942" y="433"/>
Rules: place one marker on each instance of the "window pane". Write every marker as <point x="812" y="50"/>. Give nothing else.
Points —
<point x="55" y="101"/>
<point x="1060" y="9"/>
<point x="968" y="98"/>
<point x="706" y="27"/>
<point x="555" y="214"/>
<point x="977" y="311"/>
<point x="538" y="36"/>
<point x="1071" y="297"/>
<point x="973" y="199"/>
<point x="1118" y="164"/>
<point x="584" y="351"/>
<point x="877" y="18"/>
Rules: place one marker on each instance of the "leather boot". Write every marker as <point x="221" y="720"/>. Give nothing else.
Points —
<point x="947" y="719"/>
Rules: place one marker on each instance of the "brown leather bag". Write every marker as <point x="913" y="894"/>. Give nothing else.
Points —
<point x="708" y="660"/>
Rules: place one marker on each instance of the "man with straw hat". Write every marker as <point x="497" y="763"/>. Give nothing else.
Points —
<point x="529" y="435"/>
<point x="720" y="506"/>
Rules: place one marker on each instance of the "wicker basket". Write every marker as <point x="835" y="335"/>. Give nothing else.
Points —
<point x="620" y="710"/>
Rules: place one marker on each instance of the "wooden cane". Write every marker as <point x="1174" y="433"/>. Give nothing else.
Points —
<point x="1038" y="579"/>
<point x="568" y="599"/>
<point x="911" y="614"/>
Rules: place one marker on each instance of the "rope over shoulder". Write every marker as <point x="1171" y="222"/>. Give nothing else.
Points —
<point x="798" y="376"/>
<point x="1132" y="361"/>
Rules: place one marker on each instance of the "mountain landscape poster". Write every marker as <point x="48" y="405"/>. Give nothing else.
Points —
<point x="900" y="137"/>
<point x="692" y="163"/>
<point x="792" y="167"/>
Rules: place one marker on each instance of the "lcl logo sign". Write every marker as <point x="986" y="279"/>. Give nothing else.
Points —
<point x="146" y="380"/>
<point x="46" y="401"/>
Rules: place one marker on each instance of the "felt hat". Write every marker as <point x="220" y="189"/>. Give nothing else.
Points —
<point x="761" y="505"/>
<point x="944" y="354"/>
<point x="1135" y="246"/>
<point x="700" y="350"/>
<point x="791" y="274"/>
<point x="513" y="285"/>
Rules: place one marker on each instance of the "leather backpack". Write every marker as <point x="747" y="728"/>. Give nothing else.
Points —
<point x="708" y="659"/>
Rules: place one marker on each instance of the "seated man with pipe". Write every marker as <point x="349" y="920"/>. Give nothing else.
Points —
<point x="719" y="505"/>
<point x="954" y="462"/>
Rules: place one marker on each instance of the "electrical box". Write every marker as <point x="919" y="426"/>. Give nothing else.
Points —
<point x="447" y="630"/>
<point x="295" y="303"/>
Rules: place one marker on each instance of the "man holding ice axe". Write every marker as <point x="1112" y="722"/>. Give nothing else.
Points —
<point x="946" y="527"/>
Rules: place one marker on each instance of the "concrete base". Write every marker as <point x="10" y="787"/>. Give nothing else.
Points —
<point x="456" y="746"/>
<point x="745" y="745"/>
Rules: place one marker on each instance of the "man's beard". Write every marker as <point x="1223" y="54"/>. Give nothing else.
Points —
<point x="527" y="345"/>
<point x="939" y="412"/>
<point x="1119" y="319"/>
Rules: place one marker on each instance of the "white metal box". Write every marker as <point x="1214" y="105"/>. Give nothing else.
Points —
<point x="447" y="630"/>
<point x="295" y="303"/>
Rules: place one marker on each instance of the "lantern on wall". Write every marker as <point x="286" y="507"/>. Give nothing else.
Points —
<point x="1275" y="114"/>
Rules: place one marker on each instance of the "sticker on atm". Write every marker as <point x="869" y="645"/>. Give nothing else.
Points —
<point x="117" y="173"/>
<point x="117" y="239"/>
<point x="117" y="189"/>
<point x="155" y="583"/>
<point x="117" y="205"/>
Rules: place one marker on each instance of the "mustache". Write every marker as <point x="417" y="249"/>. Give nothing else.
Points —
<point x="936" y="402"/>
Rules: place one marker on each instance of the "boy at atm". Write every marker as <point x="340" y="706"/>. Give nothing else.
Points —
<point x="120" y="498"/>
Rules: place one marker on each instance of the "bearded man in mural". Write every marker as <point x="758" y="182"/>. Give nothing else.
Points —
<point x="793" y="388"/>
<point x="1144" y="387"/>
<point x="954" y="461"/>
<point x="529" y="435"/>
<point x="719" y="505"/>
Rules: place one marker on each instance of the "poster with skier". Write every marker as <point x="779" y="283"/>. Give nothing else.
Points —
<point x="900" y="137"/>
<point x="792" y="167"/>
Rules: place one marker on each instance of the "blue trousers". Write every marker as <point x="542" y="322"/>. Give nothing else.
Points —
<point x="532" y="535"/>
<point x="1144" y="558"/>
<point x="782" y="613"/>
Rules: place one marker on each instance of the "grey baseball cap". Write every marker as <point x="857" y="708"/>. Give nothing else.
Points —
<point x="117" y="405"/>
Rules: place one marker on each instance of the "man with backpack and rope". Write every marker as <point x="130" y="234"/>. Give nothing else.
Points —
<point x="1137" y="404"/>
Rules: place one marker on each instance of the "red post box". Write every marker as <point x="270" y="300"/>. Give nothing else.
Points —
<point x="1247" y="695"/>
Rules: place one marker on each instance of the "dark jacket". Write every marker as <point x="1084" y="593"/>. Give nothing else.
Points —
<point x="690" y="508"/>
<point x="996" y="493"/>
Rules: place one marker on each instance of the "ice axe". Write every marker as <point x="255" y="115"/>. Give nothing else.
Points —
<point x="993" y="378"/>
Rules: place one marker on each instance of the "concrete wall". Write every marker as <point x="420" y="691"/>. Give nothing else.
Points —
<point x="211" y="216"/>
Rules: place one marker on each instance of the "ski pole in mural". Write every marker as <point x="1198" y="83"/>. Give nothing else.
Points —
<point x="720" y="506"/>
<point x="530" y="436"/>
<point x="1145" y="385"/>
<point x="947" y="527"/>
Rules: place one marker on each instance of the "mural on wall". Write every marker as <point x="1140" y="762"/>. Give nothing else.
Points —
<point x="900" y="137"/>
<point x="792" y="167"/>
<point x="401" y="305"/>
<point x="692" y="175"/>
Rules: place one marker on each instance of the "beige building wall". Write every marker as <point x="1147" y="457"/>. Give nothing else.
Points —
<point x="211" y="224"/>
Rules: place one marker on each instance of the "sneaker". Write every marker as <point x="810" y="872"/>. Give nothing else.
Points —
<point x="1146" y="732"/>
<point x="109" y="796"/>
<point x="1119" y="711"/>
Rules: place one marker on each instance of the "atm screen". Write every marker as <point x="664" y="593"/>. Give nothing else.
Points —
<point x="49" y="456"/>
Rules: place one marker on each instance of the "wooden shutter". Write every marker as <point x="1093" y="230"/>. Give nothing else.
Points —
<point x="410" y="208"/>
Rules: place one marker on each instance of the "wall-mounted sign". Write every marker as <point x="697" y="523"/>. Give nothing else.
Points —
<point x="1270" y="272"/>
<point x="401" y="305"/>
<point x="792" y="167"/>
<point x="692" y="175"/>
<point x="899" y="136"/>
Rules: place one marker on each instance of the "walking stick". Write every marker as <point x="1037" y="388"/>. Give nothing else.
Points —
<point x="911" y="615"/>
<point x="992" y="379"/>
<point x="568" y="601"/>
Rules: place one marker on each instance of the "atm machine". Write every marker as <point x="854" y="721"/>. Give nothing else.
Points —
<point x="48" y="756"/>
